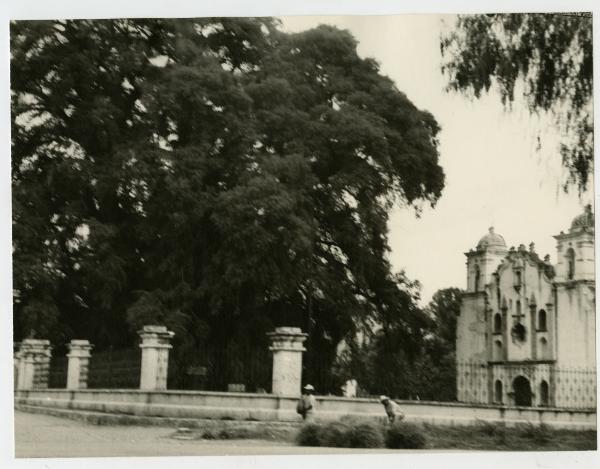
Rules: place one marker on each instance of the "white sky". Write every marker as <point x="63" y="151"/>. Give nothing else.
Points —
<point x="494" y="175"/>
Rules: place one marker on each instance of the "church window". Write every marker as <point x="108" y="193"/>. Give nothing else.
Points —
<point x="542" y="326"/>
<point x="571" y="263"/>
<point x="477" y="277"/>
<point x="498" y="391"/>
<point x="544" y="393"/>
<point x="497" y="351"/>
<point x="497" y="323"/>
<point x="543" y="349"/>
<point x="519" y="332"/>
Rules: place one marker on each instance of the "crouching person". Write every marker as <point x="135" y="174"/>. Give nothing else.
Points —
<point x="393" y="411"/>
<point x="306" y="403"/>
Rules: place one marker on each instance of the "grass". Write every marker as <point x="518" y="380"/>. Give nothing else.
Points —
<point x="498" y="437"/>
<point x="482" y="436"/>
<point x="241" y="431"/>
<point x="352" y="433"/>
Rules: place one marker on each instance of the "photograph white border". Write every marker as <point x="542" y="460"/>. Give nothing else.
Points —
<point x="39" y="9"/>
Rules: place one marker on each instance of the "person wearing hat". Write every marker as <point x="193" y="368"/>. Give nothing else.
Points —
<point x="306" y="403"/>
<point x="392" y="409"/>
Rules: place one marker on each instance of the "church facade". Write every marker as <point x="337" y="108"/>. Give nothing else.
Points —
<point x="526" y="329"/>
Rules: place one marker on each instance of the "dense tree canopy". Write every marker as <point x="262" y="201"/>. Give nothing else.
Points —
<point x="218" y="176"/>
<point x="420" y="364"/>
<point x="547" y="57"/>
<point x="436" y="367"/>
<point x="444" y="308"/>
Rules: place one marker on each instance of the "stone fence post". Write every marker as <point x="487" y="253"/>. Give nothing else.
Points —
<point x="79" y="359"/>
<point x="16" y="363"/>
<point x="34" y="362"/>
<point x="156" y="343"/>
<point x="287" y="348"/>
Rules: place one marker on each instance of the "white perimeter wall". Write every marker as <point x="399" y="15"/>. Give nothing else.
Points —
<point x="245" y="406"/>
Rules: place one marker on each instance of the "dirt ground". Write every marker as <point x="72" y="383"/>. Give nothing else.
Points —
<point x="44" y="436"/>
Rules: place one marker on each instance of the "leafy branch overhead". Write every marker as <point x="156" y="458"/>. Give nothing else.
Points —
<point x="547" y="57"/>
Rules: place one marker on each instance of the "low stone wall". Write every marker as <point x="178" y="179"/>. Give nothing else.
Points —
<point x="267" y="407"/>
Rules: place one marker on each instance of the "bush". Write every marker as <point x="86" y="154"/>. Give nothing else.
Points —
<point x="335" y="435"/>
<point x="498" y="431"/>
<point x="405" y="436"/>
<point x="492" y="429"/>
<point x="365" y="435"/>
<point x="209" y="435"/>
<point x="341" y="435"/>
<point x="539" y="433"/>
<point x="309" y="435"/>
<point x="241" y="432"/>
<point x="234" y="433"/>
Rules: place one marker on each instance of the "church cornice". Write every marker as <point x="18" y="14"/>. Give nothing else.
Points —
<point x="522" y="362"/>
<point x="475" y="294"/>
<point x="574" y="283"/>
<point x="489" y="250"/>
<point x="574" y="234"/>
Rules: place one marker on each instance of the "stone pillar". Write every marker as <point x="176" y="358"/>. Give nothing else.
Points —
<point x="16" y="364"/>
<point x="34" y="361"/>
<point x="155" y="357"/>
<point x="22" y="383"/>
<point x="79" y="359"/>
<point x="287" y="348"/>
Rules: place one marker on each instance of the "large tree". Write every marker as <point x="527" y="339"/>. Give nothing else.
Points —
<point x="215" y="175"/>
<point x="548" y="58"/>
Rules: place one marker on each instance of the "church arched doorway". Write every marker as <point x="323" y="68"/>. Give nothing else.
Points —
<point x="522" y="390"/>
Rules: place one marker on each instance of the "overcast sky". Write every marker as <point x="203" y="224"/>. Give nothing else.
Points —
<point x="494" y="174"/>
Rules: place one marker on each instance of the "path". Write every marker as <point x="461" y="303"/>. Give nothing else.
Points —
<point x="39" y="435"/>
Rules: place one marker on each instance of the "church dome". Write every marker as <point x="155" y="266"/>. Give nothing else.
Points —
<point x="585" y="220"/>
<point x="490" y="240"/>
